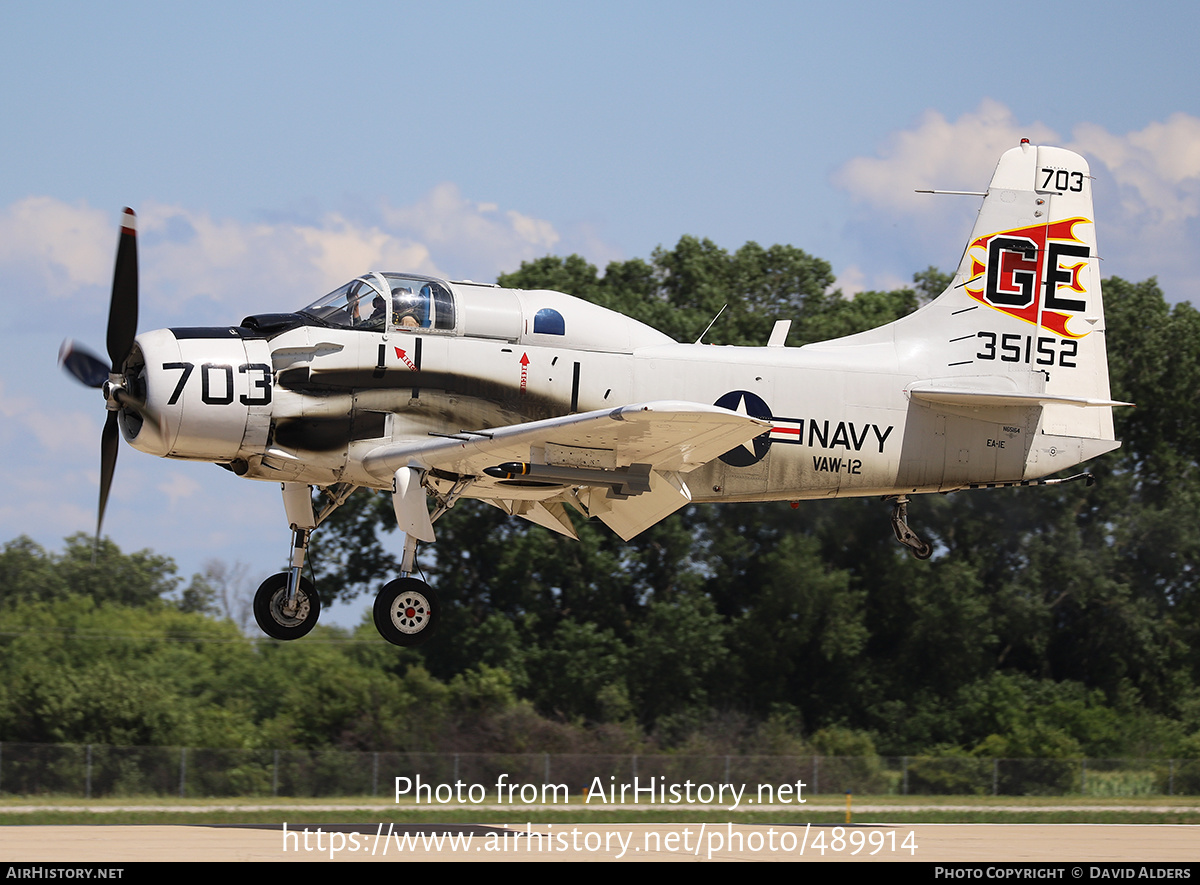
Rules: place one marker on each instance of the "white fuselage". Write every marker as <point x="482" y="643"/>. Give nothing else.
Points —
<point x="309" y="404"/>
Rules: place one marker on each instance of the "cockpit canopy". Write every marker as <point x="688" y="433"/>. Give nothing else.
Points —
<point x="404" y="302"/>
<point x="379" y="301"/>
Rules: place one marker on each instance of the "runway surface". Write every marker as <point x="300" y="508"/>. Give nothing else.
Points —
<point x="1066" y="844"/>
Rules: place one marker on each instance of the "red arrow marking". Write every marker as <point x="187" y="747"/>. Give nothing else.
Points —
<point x="524" y="372"/>
<point x="404" y="358"/>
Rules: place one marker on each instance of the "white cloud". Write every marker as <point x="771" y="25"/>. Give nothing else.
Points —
<point x="853" y="279"/>
<point x="1157" y="169"/>
<point x="938" y="154"/>
<point x="53" y="454"/>
<point x="189" y="258"/>
<point x="56" y="247"/>
<point x="850" y="281"/>
<point x="262" y="267"/>
<point x="179" y="487"/>
<point x="475" y="239"/>
<point x="54" y="430"/>
<point x="1154" y="227"/>
<point x="341" y="245"/>
<point x="1147" y="190"/>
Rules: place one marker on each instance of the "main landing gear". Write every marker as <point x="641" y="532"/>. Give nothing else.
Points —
<point x="407" y="611"/>
<point x="282" y="615"/>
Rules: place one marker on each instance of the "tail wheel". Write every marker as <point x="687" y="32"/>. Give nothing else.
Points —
<point x="276" y="618"/>
<point x="406" y="612"/>
<point x="923" y="552"/>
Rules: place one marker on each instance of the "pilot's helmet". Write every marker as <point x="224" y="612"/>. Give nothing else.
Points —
<point x="405" y="304"/>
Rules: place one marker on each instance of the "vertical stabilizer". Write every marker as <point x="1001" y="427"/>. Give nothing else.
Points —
<point x="1024" y="311"/>
<point x="1015" y="347"/>
<point x="1030" y="269"/>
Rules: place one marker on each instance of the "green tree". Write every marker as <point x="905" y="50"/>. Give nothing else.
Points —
<point x="95" y="569"/>
<point x="676" y="655"/>
<point x="26" y="572"/>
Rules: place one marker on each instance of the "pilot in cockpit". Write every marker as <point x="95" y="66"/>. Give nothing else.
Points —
<point x="406" y="308"/>
<point x="354" y="309"/>
<point x="378" y="311"/>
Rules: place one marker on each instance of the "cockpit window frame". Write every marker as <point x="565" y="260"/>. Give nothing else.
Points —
<point x="342" y="308"/>
<point x="432" y="304"/>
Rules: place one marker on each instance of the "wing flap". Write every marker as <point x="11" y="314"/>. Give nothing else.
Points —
<point x="631" y="517"/>
<point x="551" y="515"/>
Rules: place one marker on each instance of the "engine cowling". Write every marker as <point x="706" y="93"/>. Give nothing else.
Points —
<point x="202" y="393"/>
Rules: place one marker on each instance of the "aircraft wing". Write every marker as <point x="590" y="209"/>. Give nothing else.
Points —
<point x="658" y="440"/>
<point x="670" y="436"/>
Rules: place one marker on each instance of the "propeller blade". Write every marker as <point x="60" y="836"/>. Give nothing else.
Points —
<point x="90" y="369"/>
<point x="82" y="364"/>
<point x="109" y="440"/>
<point x="123" y="309"/>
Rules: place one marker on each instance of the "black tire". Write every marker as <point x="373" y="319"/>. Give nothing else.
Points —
<point x="407" y="612"/>
<point x="268" y="608"/>
<point x="923" y="552"/>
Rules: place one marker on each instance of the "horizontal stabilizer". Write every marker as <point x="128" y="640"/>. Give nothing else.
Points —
<point x="957" y="396"/>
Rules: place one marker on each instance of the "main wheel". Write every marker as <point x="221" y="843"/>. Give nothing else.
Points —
<point x="277" y="621"/>
<point x="406" y="612"/>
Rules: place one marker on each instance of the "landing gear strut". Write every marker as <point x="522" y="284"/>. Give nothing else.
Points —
<point x="407" y="611"/>
<point x="905" y="535"/>
<point x="286" y="605"/>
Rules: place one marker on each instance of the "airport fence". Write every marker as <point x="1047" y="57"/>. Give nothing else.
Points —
<point x="94" y="771"/>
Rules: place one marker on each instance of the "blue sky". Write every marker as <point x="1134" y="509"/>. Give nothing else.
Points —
<point x="274" y="150"/>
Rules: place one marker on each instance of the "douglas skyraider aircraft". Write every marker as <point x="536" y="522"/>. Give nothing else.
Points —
<point x="535" y="401"/>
